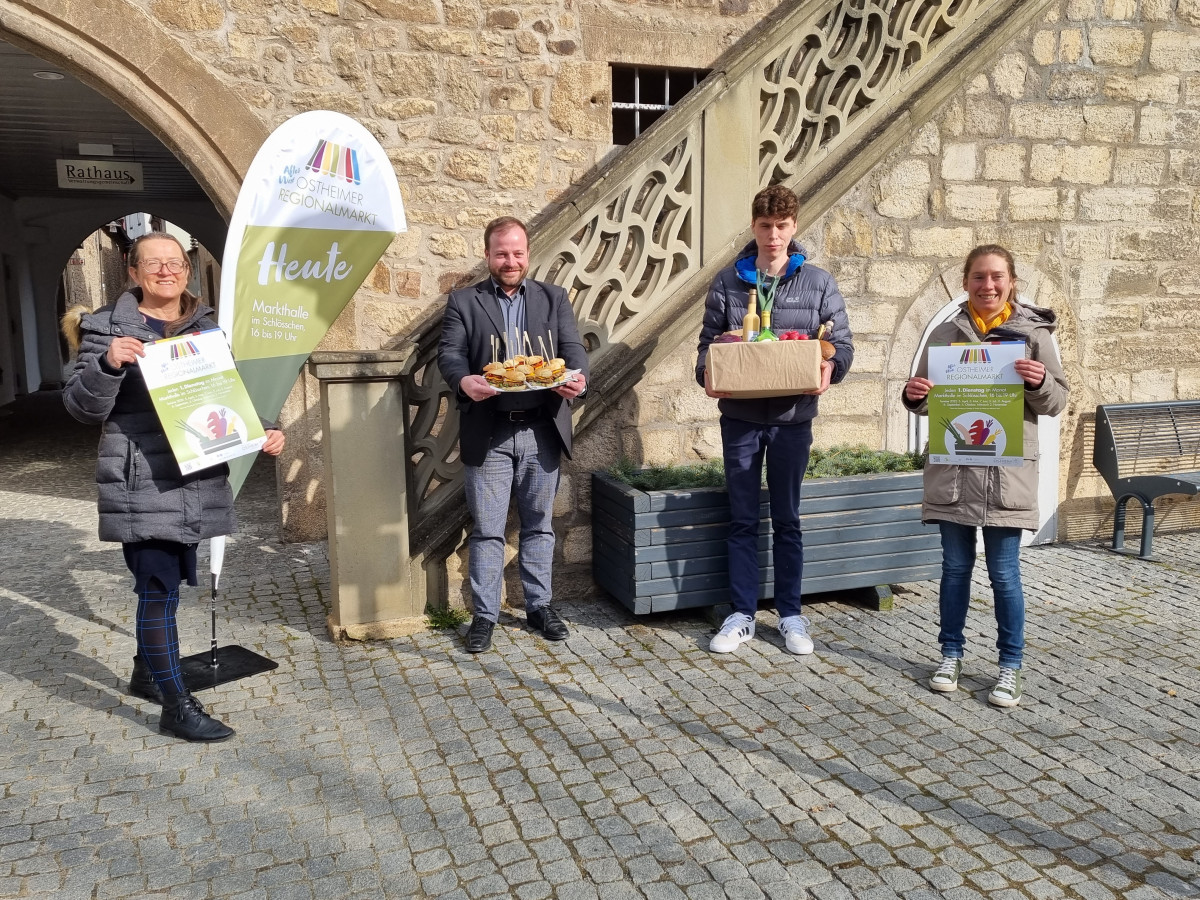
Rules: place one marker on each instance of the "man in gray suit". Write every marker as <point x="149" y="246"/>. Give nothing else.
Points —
<point x="510" y="442"/>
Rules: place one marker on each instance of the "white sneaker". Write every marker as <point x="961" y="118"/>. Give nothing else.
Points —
<point x="795" y="634"/>
<point x="735" y="630"/>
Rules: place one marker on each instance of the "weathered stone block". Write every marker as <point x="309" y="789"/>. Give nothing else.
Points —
<point x="1175" y="51"/>
<point x="414" y="163"/>
<point x="874" y="318"/>
<point x="456" y="130"/>
<point x="1108" y="124"/>
<point x="1175" y="312"/>
<point x="414" y="11"/>
<point x="974" y="203"/>
<point x="1139" y="166"/>
<point x="1073" y="85"/>
<point x="189" y="15"/>
<point x="856" y="396"/>
<point x="408" y="283"/>
<point x="1033" y="204"/>
<point x="503" y="18"/>
<point x="1118" y="318"/>
<point x="1116" y="45"/>
<point x="1008" y="75"/>
<point x="848" y="233"/>
<point x="1184" y="166"/>
<point x="927" y="140"/>
<point x="1004" y="162"/>
<point x="941" y="242"/>
<point x="1081" y="10"/>
<point x="897" y="278"/>
<point x="1100" y="279"/>
<point x="1170" y="126"/>
<point x="518" y="167"/>
<point x="443" y="40"/>
<point x="1070" y="45"/>
<point x="903" y="193"/>
<point x="1045" y="43"/>
<point x="1040" y="121"/>
<point x="1155" y="242"/>
<point x="1080" y="165"/>
<point x="580" y="99"/>
<point x="984" y="117"/>
<point x="959" y="162"/>
<point x="1143" y="88"/>
<point x="403" y="75"/>
<point x="1116" y="204"/>
<point x="448" y="245"/>
<point x="1085" y="241"/>
<point x="469" y="165"/>
<point x="405" y="109"/>
<point x="1181" y="280"/>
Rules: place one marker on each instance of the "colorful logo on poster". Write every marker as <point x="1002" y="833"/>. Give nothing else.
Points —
<point x="974" y="435"/>
<point x="212" y="428"/>
<point x="183" y="349"/>
<point x="975" y="355"/>
<point x="335" y="160"/>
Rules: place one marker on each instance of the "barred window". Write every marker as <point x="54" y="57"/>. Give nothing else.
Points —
<point x="641" y="94"/>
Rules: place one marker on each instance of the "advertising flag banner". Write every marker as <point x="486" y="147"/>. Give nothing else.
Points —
<point x="319" y="206"/>
<point x="200" y="400"/>
<point x="976" y="405"/>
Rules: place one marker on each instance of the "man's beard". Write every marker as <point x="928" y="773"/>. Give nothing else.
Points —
<point x="509" y="278"/>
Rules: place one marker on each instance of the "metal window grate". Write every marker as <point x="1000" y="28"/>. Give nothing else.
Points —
<point x="641" y="94"/>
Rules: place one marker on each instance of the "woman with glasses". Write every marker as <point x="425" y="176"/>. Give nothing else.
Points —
<point x="158" y="514"/>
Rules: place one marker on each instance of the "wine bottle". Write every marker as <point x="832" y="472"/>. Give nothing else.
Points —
<point x="750" y="321"/>
<point x="766" y="334"/>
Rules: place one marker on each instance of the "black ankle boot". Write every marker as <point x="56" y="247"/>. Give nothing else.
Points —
<point x="142" y="683"/>
<point x="184" y="717"/>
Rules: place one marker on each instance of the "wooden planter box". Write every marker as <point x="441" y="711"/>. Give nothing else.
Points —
<point x="664" y="550"/>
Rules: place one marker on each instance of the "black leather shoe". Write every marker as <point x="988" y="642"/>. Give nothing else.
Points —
<point x="546" y="621"/>
<point x="142" y="683"/>
<point x="479" y="635"/>
<point x="184" y="717"/>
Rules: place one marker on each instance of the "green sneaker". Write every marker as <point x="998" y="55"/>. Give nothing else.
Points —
<point x="945" y="679"/>
<point x="1007" y="691"/>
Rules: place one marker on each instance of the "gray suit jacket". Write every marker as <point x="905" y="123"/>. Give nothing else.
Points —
<point x="472" y="318"/>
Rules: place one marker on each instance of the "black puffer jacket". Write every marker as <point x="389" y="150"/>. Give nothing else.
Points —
<point x="142" y="494"/>
<point x="806" y="297"/>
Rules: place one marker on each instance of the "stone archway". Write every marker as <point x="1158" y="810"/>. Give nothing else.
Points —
<point x="116" y="48"/>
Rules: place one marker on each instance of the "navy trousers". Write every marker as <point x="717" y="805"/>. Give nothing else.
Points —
<point x="785" y="448"/>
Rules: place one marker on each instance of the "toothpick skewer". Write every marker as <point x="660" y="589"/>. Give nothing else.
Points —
<point x="542" y="347"/>
<point x="528" y="344"/>
<point x="550" y="336"/>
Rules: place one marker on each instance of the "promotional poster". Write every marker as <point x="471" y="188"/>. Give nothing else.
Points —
<point x="319" y="206"/>
<point x="203" y="406"/>
<point x="976" y="405"/>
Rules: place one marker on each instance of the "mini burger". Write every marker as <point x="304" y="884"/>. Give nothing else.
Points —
<point x="558" y="365"/>
<point x="542" y="375"/>
<point x="514" y="380"/>
<point x="534" y="362"/>
<point x="493" y="372"/>
<point x="525" y="369"/>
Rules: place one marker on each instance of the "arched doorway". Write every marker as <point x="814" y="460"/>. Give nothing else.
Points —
<point x="84" y="98"/>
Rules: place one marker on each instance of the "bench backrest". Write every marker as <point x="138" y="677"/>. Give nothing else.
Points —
<point x="1147" y="438"/>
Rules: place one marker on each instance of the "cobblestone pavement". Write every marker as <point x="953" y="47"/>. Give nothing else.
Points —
<point x="625" y="762"/>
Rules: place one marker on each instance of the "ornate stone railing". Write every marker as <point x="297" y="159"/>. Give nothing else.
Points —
<point x="812" y="97"/>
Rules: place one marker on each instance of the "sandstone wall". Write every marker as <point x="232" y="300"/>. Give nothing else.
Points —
<point x="1077" y="149"/>
<point x="486" y="108"/>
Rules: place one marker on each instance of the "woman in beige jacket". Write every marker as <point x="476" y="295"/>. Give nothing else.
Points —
<point x="1002" y="500"/>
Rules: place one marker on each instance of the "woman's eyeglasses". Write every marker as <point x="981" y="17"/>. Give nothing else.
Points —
<point x="174" y="266"/>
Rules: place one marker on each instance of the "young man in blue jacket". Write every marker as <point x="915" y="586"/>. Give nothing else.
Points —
<point x="801" y="298"/>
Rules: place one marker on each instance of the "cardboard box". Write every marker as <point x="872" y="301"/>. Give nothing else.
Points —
<point x="765" y="368"/>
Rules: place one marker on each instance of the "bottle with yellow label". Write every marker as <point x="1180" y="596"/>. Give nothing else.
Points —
<point x="766" y="334"/>
<point x="750" y="321"/>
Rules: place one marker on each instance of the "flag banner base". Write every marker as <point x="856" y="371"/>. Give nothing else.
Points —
<point x="233" y="663"/>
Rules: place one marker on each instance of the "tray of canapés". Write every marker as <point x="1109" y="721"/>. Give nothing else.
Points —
<point x="526" y="371"/>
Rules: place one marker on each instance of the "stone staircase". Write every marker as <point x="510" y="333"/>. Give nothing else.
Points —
<point x="812" y="97"/>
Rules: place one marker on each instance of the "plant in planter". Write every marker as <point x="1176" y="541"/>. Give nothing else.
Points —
<point x="658" y="534"/>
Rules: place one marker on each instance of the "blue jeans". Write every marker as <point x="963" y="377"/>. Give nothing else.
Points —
<point x="1002" y="551"/>
<point x="522" y="460"/>
<point x="786" y="450"/>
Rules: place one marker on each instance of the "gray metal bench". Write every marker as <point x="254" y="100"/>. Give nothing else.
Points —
<point x="1145" y="451"/>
